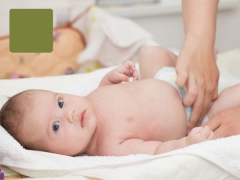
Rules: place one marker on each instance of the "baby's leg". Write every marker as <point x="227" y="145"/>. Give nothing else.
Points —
<point x="154" y="58"/>
<point x="229" y="98"/>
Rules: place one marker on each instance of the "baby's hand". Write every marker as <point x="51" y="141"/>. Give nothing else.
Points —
<point x="199" y="134"/>
<point x="124" y="72"/>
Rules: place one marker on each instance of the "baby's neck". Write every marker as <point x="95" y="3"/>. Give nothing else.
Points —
<point x="91" y="147"/>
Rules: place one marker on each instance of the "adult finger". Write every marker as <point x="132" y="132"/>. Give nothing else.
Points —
<point x="206" y="105"/>
<point x="211" y="136"/>
<point x="215" y="94"/>
<point x="198" y="105"/>
<point x="219" y="132"/>
<point x="182" y="76"/>
<point x="210" y="94"/>
<point x="192" y="91"/>
<point x="213" y="124"/>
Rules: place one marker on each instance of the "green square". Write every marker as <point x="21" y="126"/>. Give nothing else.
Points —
<point x="31" y="30"/>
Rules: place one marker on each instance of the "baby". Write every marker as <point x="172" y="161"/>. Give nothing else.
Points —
<point x="142" y="116"/>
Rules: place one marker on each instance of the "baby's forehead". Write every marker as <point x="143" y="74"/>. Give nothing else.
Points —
<point x="37" y="93"/>
<point x="31" y="98"/>
<point x="38" y="104"/>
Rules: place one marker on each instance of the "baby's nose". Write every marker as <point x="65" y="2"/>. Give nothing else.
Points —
<point x="70" y="116"/>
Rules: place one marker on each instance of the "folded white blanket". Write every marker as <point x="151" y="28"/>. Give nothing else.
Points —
<point x="108" y="36"/>
<point x="224" y="152"/>
<point x="217" y="159"/>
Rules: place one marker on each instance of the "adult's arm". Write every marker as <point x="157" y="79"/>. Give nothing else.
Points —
<point x="196" y="66"/>
<point x="225" y="123"/>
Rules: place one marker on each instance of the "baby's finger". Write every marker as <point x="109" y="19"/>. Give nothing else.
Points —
<point x="122" y="77"/>
<point x="129" y="65"/>
<point x="126" y="71"/>
<point x="196" y="130"/>
<point x="135" y="75"/>
<point x="205" y="132"/>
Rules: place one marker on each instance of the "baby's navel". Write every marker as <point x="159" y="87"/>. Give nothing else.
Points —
<point x="129" y="119"/>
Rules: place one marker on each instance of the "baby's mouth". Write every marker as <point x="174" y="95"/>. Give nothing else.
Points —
<point x="82" y="118"/>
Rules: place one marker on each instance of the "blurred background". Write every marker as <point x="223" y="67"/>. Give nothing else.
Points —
<point x="164" y="21"/>
<point x="160" y="18"/>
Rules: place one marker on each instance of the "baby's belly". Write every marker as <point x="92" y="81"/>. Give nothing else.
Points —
<point x="159" y="120"/>
<point x="148" y="110"/>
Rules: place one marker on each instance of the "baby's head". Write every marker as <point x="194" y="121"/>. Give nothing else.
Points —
<point x="12" y="115"/>
<point x="48" y="121"/>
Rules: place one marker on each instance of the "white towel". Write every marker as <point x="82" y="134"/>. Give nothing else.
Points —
<point x="225" y="153"/>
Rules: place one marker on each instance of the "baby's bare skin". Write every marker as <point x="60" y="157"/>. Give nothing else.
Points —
<point x="136" y="110"/>
<point x="144" y="116"/>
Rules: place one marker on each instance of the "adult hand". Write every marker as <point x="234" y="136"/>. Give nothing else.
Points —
<point x="198" y="72"/>
<point x="225" y="123"/>
<point x="196" y="67"/>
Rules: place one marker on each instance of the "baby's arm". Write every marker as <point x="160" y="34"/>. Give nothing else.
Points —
<point x="139" y="146"/>
<point x="120" y="74"/>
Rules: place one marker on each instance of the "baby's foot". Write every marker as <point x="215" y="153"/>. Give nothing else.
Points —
<point x="199" y="134"/>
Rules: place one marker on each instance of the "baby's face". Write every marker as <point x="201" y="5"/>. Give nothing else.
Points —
<point x="59" y="123"/>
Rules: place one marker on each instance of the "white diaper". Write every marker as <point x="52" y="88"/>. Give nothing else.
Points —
<point x="168" y="74"/>
<point x="205" y="119"/>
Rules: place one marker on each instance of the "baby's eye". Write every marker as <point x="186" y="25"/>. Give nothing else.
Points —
<point x="55" y="126"/>
<point x="60" y="103"/>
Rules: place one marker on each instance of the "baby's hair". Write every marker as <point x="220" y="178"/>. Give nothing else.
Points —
<point x="12" y="113"/>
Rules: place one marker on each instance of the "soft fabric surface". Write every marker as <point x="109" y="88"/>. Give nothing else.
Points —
<point x="67" y="45"/>
<point x="217" y="159"/>
<point x="222" y="152"/>
<point x="92" y="36"/>
<point x="116" y="37"/>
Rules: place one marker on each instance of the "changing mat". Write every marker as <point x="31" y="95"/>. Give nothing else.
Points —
<point x="216" y="159"/>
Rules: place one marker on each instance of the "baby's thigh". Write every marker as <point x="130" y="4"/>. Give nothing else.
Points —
<point x="152" y="59"/>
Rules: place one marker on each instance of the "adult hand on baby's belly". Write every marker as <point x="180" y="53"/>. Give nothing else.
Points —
<point x="199" y="134"/>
